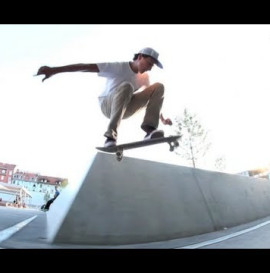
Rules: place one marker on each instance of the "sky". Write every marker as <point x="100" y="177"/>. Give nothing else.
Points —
<point x="218" y="72"/>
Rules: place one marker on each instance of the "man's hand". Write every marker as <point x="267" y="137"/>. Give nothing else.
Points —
<point x="46" y="70"/>
<point x="166" y="121"/>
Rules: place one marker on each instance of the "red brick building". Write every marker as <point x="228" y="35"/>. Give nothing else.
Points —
<point x="6" y="172"/>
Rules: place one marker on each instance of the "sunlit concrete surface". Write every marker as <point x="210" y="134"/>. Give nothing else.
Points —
<point x="138" y="201"/>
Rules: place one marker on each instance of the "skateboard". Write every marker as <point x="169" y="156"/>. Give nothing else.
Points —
<point x="119" y="149"/>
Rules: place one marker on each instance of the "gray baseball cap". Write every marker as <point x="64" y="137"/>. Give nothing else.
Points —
<point x="152" y="53"/>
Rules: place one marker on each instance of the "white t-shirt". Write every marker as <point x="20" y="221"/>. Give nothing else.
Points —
<point x="119" y="72"/>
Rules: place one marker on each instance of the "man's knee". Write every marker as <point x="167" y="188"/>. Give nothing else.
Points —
<point x="159" y="88"/>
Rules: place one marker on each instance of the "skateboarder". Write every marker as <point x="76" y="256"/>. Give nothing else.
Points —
<point x="127" y="91"/>
<point x="48" y="204"/>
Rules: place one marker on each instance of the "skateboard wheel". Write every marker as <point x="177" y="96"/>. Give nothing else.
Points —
<point x="119" y="156"/>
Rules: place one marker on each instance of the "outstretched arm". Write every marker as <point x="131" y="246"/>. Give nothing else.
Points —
<point x="50" y="71"/>
<point x="166" y="121"/>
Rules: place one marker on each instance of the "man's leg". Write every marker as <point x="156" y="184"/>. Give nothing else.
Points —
<point x="150" y="98"/>
<point x="114" y="107"/>
<point x="47" y="206"/>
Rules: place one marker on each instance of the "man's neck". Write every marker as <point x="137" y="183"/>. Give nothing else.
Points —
<point x="133" y="67"/>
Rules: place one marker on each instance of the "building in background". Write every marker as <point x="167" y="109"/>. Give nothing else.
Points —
<point x="38" y="188"/>
<point x="41" y="187"/>
<point x="6" y="172"/>
<point x="14" y="196"/>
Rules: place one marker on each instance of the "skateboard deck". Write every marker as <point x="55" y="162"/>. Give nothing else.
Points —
<point x="119" y="149"/>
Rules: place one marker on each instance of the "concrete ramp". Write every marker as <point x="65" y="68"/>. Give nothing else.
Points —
<point x="138" y="201"/>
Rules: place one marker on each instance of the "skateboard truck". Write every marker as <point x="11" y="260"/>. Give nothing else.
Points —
<point x="173" y="144"/>
<point x="119" y="154"/>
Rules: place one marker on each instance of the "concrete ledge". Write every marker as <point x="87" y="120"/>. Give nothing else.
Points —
<point x="138" y="201"/>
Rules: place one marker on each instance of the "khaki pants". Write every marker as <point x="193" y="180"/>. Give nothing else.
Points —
<point x="123" y="103"/>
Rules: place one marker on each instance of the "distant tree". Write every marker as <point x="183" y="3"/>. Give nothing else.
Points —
<point x="64" y="183"/>
<point x="220" y="163"/>
<point x="193" y="144"/>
